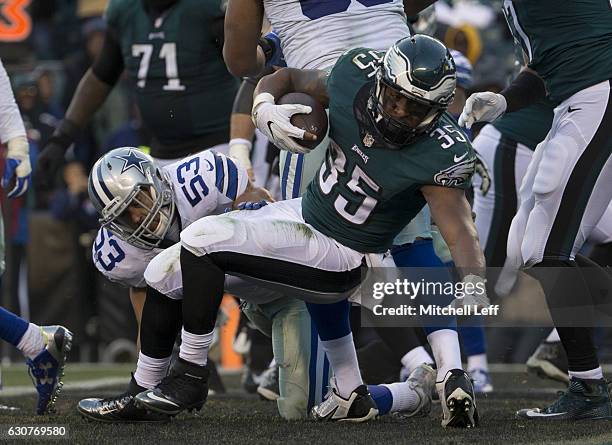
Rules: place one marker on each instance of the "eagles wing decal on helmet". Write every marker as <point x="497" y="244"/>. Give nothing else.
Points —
<point x="456" y="174"/>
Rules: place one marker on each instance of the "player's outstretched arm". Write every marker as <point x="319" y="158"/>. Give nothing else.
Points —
<point x="528" y="88"/>
<point x="12" y="132"/>
<point x="453" y="216"/>
<point x="242" y="28"/>
<point x="92" y="91"/>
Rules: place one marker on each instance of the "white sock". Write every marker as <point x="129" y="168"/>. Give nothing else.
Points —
<point x="415" y="357"/>
<point x="33" y="341"/>
<point x="343" y="360"/>
<point x="150" y="371"/>
<point x="478" y="361"/>
<point x="404" y="397"/>
<point x="445" y="347"/>
<point x="592" y="374"/>
<point x="194" y="347"/>
<point x="553" y="337"/>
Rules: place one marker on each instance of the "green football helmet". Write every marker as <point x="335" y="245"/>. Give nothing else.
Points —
<point x="414" y="86"/>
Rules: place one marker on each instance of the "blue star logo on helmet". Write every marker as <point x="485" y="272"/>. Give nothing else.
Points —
<point x="132" y="160"/>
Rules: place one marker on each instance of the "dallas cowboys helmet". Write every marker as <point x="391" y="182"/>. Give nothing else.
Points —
<point x="133" y="196"/>
<point x="420" y="70"/>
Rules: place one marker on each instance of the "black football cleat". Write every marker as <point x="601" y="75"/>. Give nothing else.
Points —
<point x="458" y="400"/>
<point x="359" y="407"/>
<point x="583" y="400"/>
<point x="215" y="384"/>
<point x="119" y="409"/>
<point x="185" y="388"/>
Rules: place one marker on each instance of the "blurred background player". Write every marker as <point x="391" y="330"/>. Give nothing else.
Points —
<point x="45" y="348"/>
<point x="171" y="51"/>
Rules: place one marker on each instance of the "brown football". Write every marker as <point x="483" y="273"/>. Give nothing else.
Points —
<point x="315" y="122"/>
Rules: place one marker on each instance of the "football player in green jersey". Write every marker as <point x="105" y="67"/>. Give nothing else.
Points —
<point x="393" y="149"/>
<point x="566" y="189"/>
<point x="171" y="51"/>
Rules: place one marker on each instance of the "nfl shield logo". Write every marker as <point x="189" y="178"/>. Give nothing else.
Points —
<point x="368" y="140"/>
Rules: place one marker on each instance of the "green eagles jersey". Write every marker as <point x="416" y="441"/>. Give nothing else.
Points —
<point x="568" y="42"/>
<point x="528" y="126"/>
<point x="365" y="193"/>
<point x="182" y="86"/>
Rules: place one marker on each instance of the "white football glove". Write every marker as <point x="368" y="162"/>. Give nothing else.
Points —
<point x="274" y="121"/>
<point x="475" y="292"/>
<point x="479" y="107"/>
<point x="18" y="166"/>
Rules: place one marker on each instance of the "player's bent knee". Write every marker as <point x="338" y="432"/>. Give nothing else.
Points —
<point x="536" y="235"/>
<point x="293" y="403"/>
<point x="200" y="236"/>
<point x="558" y="153"/>
<point x="163" y="272"/>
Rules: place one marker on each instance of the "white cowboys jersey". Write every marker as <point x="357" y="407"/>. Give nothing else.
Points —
<point x="203" y="184"/>
<point x="345" y="24"/>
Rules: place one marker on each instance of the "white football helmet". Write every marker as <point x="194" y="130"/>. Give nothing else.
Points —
<point x="133" y="196"/>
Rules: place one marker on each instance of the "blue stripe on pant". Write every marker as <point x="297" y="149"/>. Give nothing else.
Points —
<point x="291" y="177"/>
<point x="318" y="375"/>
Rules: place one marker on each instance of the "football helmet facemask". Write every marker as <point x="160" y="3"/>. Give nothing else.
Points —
<point x="133" y="196"/>
<point x="414" y="85"/>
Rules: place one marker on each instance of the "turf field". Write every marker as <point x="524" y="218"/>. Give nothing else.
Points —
<point x="236" y="418"/>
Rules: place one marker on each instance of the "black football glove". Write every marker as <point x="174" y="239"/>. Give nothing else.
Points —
<point x="51" y="158"/>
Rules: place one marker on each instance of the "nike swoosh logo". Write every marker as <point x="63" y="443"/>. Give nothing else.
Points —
<point x="460" y="158"/>
<point x="270" y="128"/>
<point x="209" y="165"/>
<point x="571" y="110"/>
<point x="539" y="414"/>
<point x="152" y="395"/>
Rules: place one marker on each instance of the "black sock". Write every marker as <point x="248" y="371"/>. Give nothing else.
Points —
<point x="571" y="308"/>
<point x="203" y="283"/>
<point x="160" y="324"/>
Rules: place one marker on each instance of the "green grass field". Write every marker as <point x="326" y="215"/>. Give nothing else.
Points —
<point x="237" y="418"/>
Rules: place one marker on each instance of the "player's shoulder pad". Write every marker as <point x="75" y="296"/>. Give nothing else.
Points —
<point x="119" y="261"/>
<point x="118" y="10"/>
<point x="453" y="154"/>
<point x="357" y="63"/>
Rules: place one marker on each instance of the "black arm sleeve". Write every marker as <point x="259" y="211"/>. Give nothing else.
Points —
<point x="108" y="66"/>
<point x="243" y="102"/>
<point x="525" y="90"/>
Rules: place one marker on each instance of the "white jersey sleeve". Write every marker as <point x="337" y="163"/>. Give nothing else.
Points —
<point x="204" y="183"/>
<point x="11" y="125"/>
<point x="315" y="33"/>
<point x="119" y="261"/>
